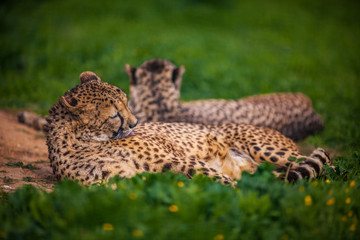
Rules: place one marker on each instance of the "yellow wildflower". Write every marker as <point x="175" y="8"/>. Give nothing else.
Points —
<point x="348" y="200"/>
<point x="137" y="233"/>
<point x="352" y="227"/>
<point x="308" y="200"/>
<point x="173" y="208"/>
<point x="330" y="202"/>
<point x="219" y="237"/>
<point x="289" y="210"/>
<point x="301" y="188"/>
<point x="350" y="213"/>
<point x="327" y="181"/>
<point x="108" y="227"/>
<point x="284" y="237"/>
<point x="132" y="196"/>
<point x="180" y="184"/>
<point x="352" y="183"/>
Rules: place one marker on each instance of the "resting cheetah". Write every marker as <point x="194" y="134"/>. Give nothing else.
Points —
<point x="91" y="135"/>
<point x="155" y="91"/>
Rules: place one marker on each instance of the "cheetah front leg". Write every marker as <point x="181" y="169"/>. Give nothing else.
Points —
<point x="190" y="167"/>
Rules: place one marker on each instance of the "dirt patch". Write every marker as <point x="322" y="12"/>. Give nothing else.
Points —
<point x="23" y="155"/>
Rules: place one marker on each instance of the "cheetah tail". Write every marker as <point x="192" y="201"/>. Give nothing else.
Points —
<point x="32" y="120"/>
<point x="311" y="167"/>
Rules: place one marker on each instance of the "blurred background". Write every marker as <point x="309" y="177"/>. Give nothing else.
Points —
<point x="230" y="49"/>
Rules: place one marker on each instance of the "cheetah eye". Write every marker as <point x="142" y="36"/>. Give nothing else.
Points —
<point x="115" y="116"/>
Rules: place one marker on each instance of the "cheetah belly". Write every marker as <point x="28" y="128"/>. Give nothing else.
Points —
<point x="234" y="163"/>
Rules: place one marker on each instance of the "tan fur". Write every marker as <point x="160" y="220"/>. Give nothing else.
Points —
<point x="91" y="136"/>
<point x="155" y="92"/>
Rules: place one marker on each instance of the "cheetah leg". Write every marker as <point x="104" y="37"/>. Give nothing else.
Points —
<point x="94" y="172"/>
<point x="191" y="167"/>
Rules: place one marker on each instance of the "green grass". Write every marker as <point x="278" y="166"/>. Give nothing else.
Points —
<point x="230" y="49"/>
<point x="168" y="206"/>
<point x="21" y="165"/>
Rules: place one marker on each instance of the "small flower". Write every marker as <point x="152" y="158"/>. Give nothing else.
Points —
<point x="327" y="181"/>
<point x="173" y="208"/>
<point x="348" y="200"/>
<point x="330" y="202"/>
<point x="343" y="218"/>
<point x="308" y="200"/>
<point x="219" y="237"/>
<point x="284" y="237"/>
<point x="108" y="227"/>
<point x="314" y="183"/>
<point x="137" y="233"/>
<point x="350" y="213"/>
<point x="301" y="188"/>
<point x="289" y="210"/>
<point x="180" y="184"/>
<point x="132" y="196"/>
<point x="352" y="227"/>
<point x="352" y="183"/>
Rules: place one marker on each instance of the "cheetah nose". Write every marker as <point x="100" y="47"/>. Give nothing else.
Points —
<point x="133" y="125"/>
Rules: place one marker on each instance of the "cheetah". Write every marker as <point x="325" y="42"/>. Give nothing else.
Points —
<point x="155" y="92"/>
<point x="92" y="135"/>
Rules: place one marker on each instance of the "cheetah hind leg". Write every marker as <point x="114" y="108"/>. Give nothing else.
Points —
<point x="310" y="167"/>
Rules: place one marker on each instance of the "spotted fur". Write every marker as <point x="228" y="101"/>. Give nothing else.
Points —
<point x="155" y="92"/>
<point x="91" y="135"/>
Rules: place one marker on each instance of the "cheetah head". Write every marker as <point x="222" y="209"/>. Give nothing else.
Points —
<point x="98" y="110"/>
<point x="154" y="89"/>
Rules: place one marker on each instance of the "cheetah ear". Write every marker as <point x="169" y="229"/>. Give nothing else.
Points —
<point x="71" y="104"/>
<point x="89" y="76"/>
<point x="131" y="73"/>
<point x="177" y="76"/>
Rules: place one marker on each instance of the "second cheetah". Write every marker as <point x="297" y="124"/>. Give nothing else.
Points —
<point x="155" y="92"/>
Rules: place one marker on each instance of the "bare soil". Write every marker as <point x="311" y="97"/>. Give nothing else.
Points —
<point x="23" y="155"/>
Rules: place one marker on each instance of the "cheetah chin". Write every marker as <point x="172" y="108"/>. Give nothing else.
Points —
<point x="122" y="134"/>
